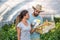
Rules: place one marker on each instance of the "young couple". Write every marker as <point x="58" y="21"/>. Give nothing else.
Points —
<point x="24" y="29"/>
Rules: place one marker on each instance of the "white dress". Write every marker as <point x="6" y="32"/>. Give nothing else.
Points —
<point x="25" y="31"/>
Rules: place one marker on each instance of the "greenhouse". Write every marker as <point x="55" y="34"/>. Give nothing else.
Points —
<point x="9" y="17"/>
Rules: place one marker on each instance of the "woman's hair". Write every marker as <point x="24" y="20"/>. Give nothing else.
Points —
<point x="22" y="14"/>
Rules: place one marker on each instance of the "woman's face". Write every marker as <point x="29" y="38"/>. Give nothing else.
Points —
<point x="27" y="16"/>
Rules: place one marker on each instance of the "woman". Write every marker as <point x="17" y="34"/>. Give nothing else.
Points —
<point x="24" y="28"/>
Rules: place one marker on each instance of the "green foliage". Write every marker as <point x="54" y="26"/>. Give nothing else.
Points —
<point x="57" y="19"/>
<point x="8" y="32"/>
<point x="54" y="34"/>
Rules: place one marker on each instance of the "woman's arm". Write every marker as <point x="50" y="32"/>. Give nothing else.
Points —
<point x="18" y="33"/>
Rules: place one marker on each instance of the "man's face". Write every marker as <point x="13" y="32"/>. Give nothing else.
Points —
<point x="36" y="12"/>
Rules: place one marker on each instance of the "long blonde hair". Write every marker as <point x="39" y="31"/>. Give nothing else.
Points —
<point x="17" y="19"/>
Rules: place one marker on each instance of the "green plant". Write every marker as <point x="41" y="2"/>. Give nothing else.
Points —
<point x="8" y="32"/>
<point x="57" y="19"/>
<point x="54" y="34"/>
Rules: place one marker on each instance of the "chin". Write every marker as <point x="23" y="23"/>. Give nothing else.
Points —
<point x="27" y="18"/>
<point x="36" y="15"/>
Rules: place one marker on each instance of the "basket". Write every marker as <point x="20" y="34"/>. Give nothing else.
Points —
<point x="45" y="28"/>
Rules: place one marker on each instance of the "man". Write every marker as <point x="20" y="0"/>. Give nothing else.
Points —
<point x="36" y="17"/>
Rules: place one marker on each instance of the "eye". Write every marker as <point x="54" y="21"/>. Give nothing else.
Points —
<point x="38" y="11"/>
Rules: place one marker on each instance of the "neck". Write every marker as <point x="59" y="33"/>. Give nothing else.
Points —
<point x="24" y="20"/>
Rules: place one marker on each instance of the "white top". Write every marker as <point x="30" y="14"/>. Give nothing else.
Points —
<point x="25" y="31"/>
